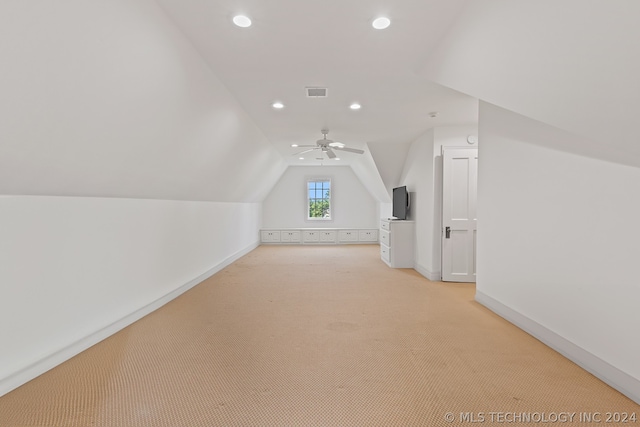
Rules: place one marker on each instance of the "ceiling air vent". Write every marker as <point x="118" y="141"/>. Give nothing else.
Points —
<point x="316" y="92"/>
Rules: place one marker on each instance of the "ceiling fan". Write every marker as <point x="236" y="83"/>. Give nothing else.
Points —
<point x="327" y="146"/>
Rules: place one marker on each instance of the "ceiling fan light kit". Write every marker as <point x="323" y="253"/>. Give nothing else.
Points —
<point x="327" y="146"/>
<point x="324" y="145"/>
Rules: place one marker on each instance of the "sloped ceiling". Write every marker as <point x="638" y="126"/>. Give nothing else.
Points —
<point x="390" y="160"/>
<point x="170" y="100"/>
<point x="125" y="99"/>
<point x="573" y="64"/>
<point x="294" y="44"/>
<point x="109" y="99"/>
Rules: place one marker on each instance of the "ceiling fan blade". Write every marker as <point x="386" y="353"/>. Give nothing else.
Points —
<point x="306" y="145"/>
<point x="305" y="151"/>
<point x="330" y="153"/>
<point x="351" y="150"/>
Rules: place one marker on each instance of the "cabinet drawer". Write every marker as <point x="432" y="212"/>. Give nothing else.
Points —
<point x="385" y="237"/>
<point x="385" y="253"/>
<point x="384" y="225"/>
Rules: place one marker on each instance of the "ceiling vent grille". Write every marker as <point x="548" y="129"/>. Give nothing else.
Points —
<point x="316" y="92"/>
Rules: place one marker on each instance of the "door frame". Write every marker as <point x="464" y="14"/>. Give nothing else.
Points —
<point x="443" y="251"/>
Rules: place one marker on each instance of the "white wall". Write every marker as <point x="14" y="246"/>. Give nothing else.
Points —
<point x="75" y="270"/>
<point x="558" y="244"/>
<point x="422" y="175"/>
<point x="385" y="210"/>
<point x="418" y="176"/>
<point x="352" y="206"/>
<point x="109" y="101"/>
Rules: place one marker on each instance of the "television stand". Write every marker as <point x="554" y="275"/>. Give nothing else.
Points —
<point x="396" y="242"/>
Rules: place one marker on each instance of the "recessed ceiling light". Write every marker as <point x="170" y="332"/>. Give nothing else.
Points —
<point x="337" y="158"/>
<point x="294" y="145"/>
<point x="381" y="23"/>
<point x="278" y="105"/>
<point x="242" y="21"/>
<point x="300" y="158"/>
<point x="355" y="106"/>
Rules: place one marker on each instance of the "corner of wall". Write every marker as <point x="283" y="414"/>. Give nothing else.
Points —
<point x="434" y="276"/>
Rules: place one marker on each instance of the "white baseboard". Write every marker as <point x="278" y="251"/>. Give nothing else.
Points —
<point x="621" y="381"/>
<point x="434" y="276"/>
<point x="32" y="371"/>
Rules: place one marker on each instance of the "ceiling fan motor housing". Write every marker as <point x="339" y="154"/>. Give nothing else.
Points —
<point x="325" y="146"/>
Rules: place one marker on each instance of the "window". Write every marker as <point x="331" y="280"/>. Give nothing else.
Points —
<point x="319" y="199"/>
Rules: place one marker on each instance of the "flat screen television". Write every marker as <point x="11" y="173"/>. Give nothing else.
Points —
<point x="400" y="202"/>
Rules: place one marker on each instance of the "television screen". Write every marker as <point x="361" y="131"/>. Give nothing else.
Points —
<point x="400" y="202"/>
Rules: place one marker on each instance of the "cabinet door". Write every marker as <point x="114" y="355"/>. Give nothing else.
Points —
<point x="348" y="236"/>
<point x="290" y="236"/>
<point x="294" y="236"/>
<point x="368" y="235"/>
<point x="311" y="236"/>
<point x="328" y="236"/>
<point x="270" y="236"/>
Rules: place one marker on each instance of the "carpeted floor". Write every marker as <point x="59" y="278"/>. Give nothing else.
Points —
<point x="316" y="336"/>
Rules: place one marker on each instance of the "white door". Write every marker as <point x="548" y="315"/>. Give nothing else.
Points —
<point x="459" y="223"/>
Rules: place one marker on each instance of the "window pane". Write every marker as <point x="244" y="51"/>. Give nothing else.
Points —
<point x="319" y="199"/>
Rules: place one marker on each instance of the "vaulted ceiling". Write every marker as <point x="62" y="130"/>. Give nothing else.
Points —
<point x="169" y="99"/>
<point x="294" y="44"/>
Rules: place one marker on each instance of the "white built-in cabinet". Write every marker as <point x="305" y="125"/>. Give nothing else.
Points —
<point x="311" y="236"/>
<point x="348" y="235"/>
<point x="368" y="236"/>
<point x="397" y="243"/>
<point x="270" y="236"/>
<point x="319" y="236"/>
<point x="289" y="236"/>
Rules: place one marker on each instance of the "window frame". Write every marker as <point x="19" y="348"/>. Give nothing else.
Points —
<point x="309" y="198"/>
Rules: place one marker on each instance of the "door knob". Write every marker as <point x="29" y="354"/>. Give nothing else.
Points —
<point x="447" y="232"/>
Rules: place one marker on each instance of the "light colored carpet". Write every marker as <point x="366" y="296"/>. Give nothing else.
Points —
<point x="314" y="336"/>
